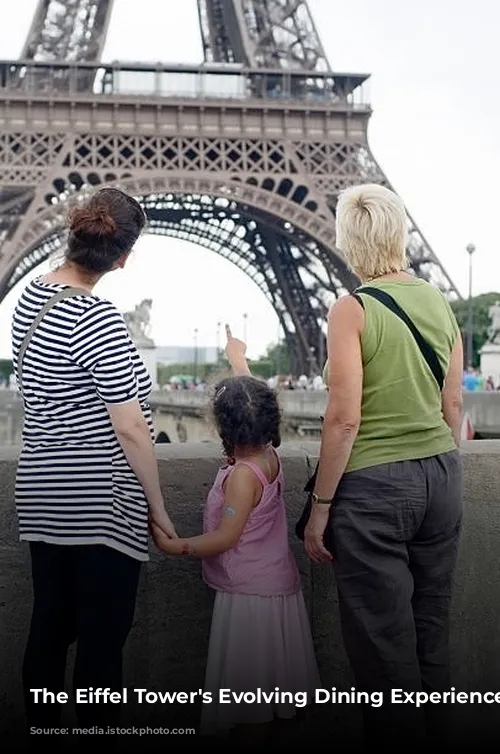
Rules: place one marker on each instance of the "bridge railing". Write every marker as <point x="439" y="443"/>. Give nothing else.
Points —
<point x="181" y="81"/>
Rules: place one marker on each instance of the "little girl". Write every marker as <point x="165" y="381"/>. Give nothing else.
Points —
<point x="260" y="636"/>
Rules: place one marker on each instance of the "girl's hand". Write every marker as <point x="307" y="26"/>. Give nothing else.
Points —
<point x="235" y="351"/>
<point x="162" y="541"/>
<point x="161" y="520"/>
<point x="314" y="533"/>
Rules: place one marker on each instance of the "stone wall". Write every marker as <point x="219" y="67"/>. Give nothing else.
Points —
<point x="168" y="644"/>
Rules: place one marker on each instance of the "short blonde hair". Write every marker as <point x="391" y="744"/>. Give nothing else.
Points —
<point x="372" y="230"/>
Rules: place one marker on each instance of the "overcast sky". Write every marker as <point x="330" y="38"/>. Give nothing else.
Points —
<point x="434" y="131"/>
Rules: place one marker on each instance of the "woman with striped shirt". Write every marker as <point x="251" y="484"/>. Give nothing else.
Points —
<point x="87" y="481"/>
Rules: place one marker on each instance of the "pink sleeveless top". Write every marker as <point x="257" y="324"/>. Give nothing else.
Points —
<point x="261" y="563"/>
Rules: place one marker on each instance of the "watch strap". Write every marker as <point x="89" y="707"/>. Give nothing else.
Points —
<point x="320" y="500"/>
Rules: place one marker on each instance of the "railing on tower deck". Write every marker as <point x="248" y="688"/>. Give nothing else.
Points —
<point x="181" y="81"/>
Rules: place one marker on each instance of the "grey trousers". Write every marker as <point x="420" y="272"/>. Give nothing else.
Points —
<point x="396" y="530"/>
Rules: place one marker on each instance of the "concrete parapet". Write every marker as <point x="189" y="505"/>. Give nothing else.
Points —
<point x="168" y="644"/>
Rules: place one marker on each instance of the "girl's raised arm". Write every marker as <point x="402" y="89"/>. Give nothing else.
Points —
<point x="235" y="352"/>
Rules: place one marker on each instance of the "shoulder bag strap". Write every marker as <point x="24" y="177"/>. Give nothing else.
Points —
<point x="426" y="349"/>
<point x="64" y="293"/>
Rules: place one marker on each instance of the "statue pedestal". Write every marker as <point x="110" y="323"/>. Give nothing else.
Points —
<point x="138" y="323"/>
<point x="148" y="355"/>
<point x="490" y="361"/>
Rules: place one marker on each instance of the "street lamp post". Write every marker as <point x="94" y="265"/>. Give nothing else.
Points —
<point x="321" y="349"/>
<point x="245" y="318"/>
<point x="195" y="370"/>
<point x="278" y="354"/>
<point x="470" y="319"/>
<point x="217" y="358"/>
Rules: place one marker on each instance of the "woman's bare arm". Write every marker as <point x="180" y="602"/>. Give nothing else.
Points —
<point x="343" y="412"/>
<point x="132" y="432"/>
<point x="452" y="399"/>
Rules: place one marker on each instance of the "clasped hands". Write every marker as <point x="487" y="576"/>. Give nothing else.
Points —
<point x="165" y="536"/>
<point x="162" y="529"/>
<point x="163" y="541"/>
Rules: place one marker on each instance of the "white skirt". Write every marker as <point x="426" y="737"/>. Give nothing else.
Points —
<point x="258" y="643"/>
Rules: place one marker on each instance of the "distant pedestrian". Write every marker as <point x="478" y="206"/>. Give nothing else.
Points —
<point x="470" y="381"/>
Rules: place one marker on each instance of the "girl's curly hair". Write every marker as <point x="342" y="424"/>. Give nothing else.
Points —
<point x="246" y="413"/>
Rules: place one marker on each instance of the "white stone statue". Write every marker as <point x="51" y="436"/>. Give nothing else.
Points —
<point x="494" y="329"/>
<point x="139" y="324"/>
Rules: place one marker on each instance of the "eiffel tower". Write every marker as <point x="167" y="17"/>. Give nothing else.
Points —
<point x="244" y="154"/>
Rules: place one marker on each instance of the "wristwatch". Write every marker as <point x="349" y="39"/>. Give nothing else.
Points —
<point x="320" y="500"/>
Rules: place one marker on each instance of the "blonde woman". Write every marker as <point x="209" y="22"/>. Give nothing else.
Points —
<point x="389" y="478"/>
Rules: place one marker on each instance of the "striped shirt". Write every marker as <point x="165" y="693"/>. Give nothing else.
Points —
<point x="74" y="484"/>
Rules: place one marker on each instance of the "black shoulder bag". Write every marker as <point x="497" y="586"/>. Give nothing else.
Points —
<point x="432" y="361"/>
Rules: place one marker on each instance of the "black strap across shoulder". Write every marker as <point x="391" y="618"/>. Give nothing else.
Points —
<point x="69" y="292"/>
<point x="426" y="349"/>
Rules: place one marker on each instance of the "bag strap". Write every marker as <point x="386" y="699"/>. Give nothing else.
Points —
<point x="62" y="294"/>
<point x="426" y="349"/>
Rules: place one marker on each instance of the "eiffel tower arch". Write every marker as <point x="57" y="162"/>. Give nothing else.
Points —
<point x="244" y="154"/>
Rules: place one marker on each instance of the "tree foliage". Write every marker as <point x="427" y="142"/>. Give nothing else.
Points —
<point x="480" y="320"/>
<point x="164" y="372"/>
<point x="275" y="361"/>
<point x="6" y="369"/>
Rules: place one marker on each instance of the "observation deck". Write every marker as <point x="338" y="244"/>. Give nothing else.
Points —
<point x="203" y="82"/>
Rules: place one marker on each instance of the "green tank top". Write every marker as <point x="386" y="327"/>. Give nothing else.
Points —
<point x="401" y="415"/>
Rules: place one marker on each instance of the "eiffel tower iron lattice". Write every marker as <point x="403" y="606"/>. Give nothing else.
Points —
<point x="244" y="154"/>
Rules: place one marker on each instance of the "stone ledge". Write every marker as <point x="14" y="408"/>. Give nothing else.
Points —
<point x="289" y="449"/>
<point x="305" y="448"/>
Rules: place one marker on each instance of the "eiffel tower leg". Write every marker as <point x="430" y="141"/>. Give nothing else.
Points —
<point x="297" y="302"/>
<point x="30" y="220"/>
<point x="74" y="30"/>
<point x="267" y="256"/>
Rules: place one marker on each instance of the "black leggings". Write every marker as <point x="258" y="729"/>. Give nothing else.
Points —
<point x="87" y="594"/>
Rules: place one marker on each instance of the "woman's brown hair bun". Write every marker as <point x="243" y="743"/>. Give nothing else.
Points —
<point x="104" y="229"/>
<point x="92" y="221"/>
